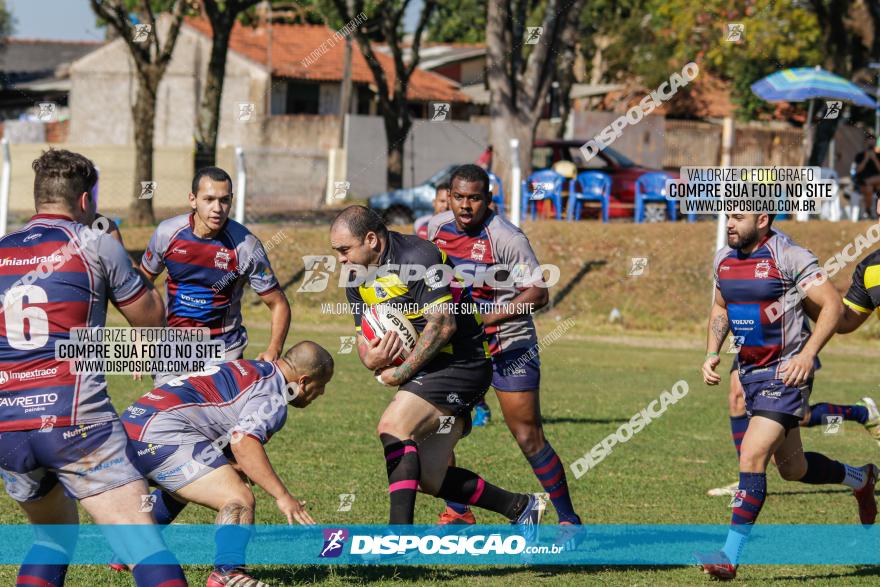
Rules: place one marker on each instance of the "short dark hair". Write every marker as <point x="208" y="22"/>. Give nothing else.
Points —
<point x="214" y="173"/>
<point x="770" y="219"/>
<point x="62" y="176"/>
<point x="360" y="220"/>
<point x="471" y="172"/>
<point x="443" y="186"/>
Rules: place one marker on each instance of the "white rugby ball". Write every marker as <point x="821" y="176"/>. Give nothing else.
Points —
<point x="379" y="320"/>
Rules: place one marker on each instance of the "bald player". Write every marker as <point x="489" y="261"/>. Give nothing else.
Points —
<point x="193" y="435"/>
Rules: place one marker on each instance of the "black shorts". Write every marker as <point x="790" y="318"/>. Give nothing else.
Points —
<point x="453" y="385"/>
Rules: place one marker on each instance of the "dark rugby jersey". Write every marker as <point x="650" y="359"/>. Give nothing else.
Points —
<point x="415" y="295"/>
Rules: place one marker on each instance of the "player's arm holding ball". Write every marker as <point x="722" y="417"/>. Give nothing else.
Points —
<point x="441" y="325"/>
<point x="379" y="352"/>
<point x="718" y="329"/>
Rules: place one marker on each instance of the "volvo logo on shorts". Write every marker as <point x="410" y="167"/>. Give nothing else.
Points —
<point x="333" y="542"/>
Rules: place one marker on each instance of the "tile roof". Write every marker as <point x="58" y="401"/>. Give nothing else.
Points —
<point x="292" y="44"/>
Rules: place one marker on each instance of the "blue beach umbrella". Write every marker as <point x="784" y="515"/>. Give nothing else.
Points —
<point x="807" y="83"/>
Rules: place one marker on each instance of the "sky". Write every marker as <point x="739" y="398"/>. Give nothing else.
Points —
<point x="73" y="20"/>
<point x="70" y="20"/>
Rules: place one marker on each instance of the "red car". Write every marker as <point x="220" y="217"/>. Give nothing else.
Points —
<point x="623" y="172"/>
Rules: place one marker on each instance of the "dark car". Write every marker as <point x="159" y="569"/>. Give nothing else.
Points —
<point x="622" y="170"/>
<point x="405" y="205"/>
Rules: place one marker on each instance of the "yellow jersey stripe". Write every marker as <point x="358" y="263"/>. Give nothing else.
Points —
<point x="856" y="307"/>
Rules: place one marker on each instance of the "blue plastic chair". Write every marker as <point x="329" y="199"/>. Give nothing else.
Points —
<point x="651" y="187"/>
<point x="589" y="186"/>
<point x="497" y="191"/>
<point x="547" y="186"/>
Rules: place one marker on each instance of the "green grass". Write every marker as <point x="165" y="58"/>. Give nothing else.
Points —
<point x="591" y="385"/>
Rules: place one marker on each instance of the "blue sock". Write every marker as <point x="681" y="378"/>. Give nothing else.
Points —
<point x="738" y="427"/>
<point x="818" y="413"/>
<point x="231" y="541"/>
<point x="166" y="508"/>
<point x="458" y="508"/>
<point x="159" y="570"/>
<point x="43" y="567"/>
<point x="550" y="472"/>
<point x="751" y="495"/>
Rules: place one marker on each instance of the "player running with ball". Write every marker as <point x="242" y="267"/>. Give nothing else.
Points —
<point x="471" y="234"/>
<point x="758" y="268"/>
<point x="446" y="373"/>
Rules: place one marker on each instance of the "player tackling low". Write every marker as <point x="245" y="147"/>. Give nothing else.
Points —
<point x="193" y="434"/>
<point x="209" y="257"/>
<point x="758" y="269"/>
<point x="446" y="373"/>
<point x="60" y="438"/>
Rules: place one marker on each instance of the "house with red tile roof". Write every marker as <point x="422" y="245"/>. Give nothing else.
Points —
<point x="272" y="72"/>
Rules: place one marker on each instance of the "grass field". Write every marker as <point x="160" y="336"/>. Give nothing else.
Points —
<point x="594" y="378"/>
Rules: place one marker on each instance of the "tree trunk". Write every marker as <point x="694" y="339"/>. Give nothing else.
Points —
<point x="208" y="121"/>
<point x="396" y="138"/>
<point x="143" y="115"/>
<point x="506" y="125"/>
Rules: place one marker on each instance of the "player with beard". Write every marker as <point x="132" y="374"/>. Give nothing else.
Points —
<point x="474" y="236"/>
<point x="445" y="374"/>
<point x="757" y="269"/>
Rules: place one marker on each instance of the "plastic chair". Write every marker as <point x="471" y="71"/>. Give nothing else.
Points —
<point x="595" y="186"/>
<point x="651" y="187"/>
<point x="547" y="186"/>
<point x="497" y="191"/>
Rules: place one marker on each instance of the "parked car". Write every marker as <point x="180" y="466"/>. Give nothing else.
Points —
<point x="622" y="170"/>
<point x="403" y="206"/>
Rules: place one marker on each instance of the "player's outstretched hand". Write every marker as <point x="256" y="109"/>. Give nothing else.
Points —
<point x="797" y="370"/>
<point x="383" y="351"/>
<point x="710" y="377"/>
<point x="294" y="509"/>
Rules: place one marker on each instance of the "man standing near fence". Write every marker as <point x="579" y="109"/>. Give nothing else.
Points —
<point x="209" y="257"/>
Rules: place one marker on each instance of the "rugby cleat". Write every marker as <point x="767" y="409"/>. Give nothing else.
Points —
<point x="533" y="512"/>
<point x="865" y="496"/>
<point x="482" y="415"/>
<point x="450" y="516"/>
<point x="727" y="490"/>
<point x="872" y="425"/>
<point x="570" y="535"/>
<point x="233" y="578"/>
<point x="118" y="567"/>
<point x="717" y="565"/>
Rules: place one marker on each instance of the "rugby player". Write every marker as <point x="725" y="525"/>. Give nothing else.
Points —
<point x="446" y="373"/>
<point x="61" y="439"/>
<point x="209" y="257"/>
<point x="864" y="412"/>
<point x="776" y="358"/>
<point x="471" y="234"/>
<point x="179" y="432"/>
<point x="441" y="204"/>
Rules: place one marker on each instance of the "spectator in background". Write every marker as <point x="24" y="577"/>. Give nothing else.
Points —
<point x="868" y="171"/>
<point x="485" y="159"/>
<point x="441" y="204"/>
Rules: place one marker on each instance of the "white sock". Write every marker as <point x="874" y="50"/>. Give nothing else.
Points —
<point x="855" y="477"/>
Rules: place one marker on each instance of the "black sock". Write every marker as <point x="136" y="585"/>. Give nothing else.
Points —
<point x="466" y="486"/>
<point x="821" y="470"/>
<point x="402" y="463"/>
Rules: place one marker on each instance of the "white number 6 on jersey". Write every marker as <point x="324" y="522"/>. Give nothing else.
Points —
<point x="15" y="315"/>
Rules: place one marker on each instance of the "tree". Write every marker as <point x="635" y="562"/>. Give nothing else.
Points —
<point x="222" y="16"/>
<point x="151" y="58"/>
<point x="393" y="105"/>
<point x="7" y="23"/>
<point x="458" y="21"/>
<point x="519" y="80"/>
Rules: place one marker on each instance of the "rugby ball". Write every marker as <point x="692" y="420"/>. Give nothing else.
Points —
<point x="379" y="320"/>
